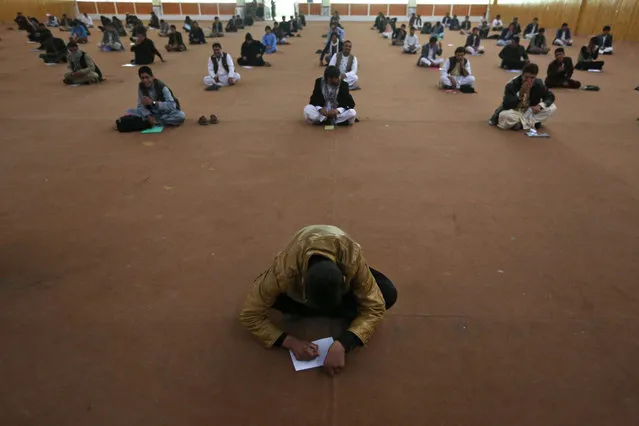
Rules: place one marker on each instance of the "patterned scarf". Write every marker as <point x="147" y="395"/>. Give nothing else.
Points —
<point x="524" y="98"/>
<point x="330" y="93"/>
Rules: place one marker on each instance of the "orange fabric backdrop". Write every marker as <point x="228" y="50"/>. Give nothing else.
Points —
<point x="35" y="8"/>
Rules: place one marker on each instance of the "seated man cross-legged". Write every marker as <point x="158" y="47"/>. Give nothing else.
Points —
<point x="56" y="51"/>
<point x="156" y="102"/>
<point x="513" y="56"/>
<point x="269" y="41"/>
<point x="563" y="37"/>
<point x="176" y="42"/>
<point x="411" y="42"/>
<point x="537" y="45"/>
<point x="604" y="41"/>
<point x="430" y="53"/>
<point x="473" y="43"/>
<point x="399" y="35"/>
<point x="80" y="67"/>
<point x="252" y="53"/>
<point x="320" y="273"/>
<point x="333" y="46"/>
<point x="221" y="70"/>
<point x="587" y="59"/>
<point x="527" y="102"/>
<point x="560" y="71"/>
<point x="110" y="40"/>
<point x="456" y="73"/>
<point x="347" y="65"/>
<point x="217" y="29"/>
<point x="331" y="101"/>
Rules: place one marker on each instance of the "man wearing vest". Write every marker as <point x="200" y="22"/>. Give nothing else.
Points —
<point x="347" y="65"/>
<point x="331" y="101"/>
<point x="156" y="102"/>
<point x="80" y="67"/>
<point x="221" y="70"/>
<point x="456" y="73"/>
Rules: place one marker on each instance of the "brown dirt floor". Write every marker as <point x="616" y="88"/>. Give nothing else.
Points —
<point x="125" y="258"/>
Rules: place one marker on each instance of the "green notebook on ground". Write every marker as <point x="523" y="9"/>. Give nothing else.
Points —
<point x="154" y="129"/>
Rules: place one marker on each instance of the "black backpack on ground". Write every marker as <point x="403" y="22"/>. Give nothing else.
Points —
<point x="131" y="123"/>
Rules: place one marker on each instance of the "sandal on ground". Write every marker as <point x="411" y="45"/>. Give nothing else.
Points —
<point x="203" y="121"/>
<point x="213" y="119"/>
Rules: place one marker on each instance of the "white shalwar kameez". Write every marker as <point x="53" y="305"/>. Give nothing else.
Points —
<point x="411" y="44"/>
<point x="222" y="75"/>
<point x="460" y="80"/>
<point x="351" y="76"/>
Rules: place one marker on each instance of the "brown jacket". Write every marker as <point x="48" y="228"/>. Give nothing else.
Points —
<point x="286" y="275"/>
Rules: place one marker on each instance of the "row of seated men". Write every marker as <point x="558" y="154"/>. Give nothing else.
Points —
<point x="527" y="103"/>
<point x="537" y="36"/>
<point x="330" y="102"/>
<point x="514" y="56"/>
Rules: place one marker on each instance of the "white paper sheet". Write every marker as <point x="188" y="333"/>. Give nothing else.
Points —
<point x="323" y="345"/>
<point x="129" y="65"/>
<point x="247" y="67"/>
<point x="594" y="71"/>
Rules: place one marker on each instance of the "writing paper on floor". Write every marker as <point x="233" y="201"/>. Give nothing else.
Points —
<point x="128" y="65"/>
<point x="323" y="345"/>
<point x="154" y="129"/>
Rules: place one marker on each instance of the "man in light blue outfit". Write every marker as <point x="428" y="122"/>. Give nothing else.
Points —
<point x="269" y="41"/>
<point x="335" y="29"/>
<point x="156" y="102"/>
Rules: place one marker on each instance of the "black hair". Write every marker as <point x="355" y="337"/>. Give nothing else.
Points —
<point x="542" y="30"/>
<point x="248" y="37"/>
<point x="331" y="72"/>
<point x="433" y="39"/>
<point x="145" y="70"/>
<point x="530" y="68"/>
<point x="216" y="44"/>
<point x="267" y="28"/>
<point x="559" y="49"/>
<point x="334" y="34"/>
<point x="324" y="283"/>
<point x="564" y="24"/>
<point x="172" y="26"/>
<point x="516" y="39"/>
<point x="460" y="49"/>
<point x="606" y="28"/>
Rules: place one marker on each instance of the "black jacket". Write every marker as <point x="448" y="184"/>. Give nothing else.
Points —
<point x="196" y="36"/>
<point x="513" y="53"/>
<point x="327" y="49"/>
<point x="251" y="50"/>
<point x="538" y="93"/>
<point x="344" y="98"/>
<point x="145" y="52"/>
<point x="517" y="27"/>
<point x="607" y="43"/>
<point x="531" y="28"/>
<point x="473" y="41"/>
<point x="175" y="38"/>
<point x="538" y="40"/>
<point x="554" y="75"/>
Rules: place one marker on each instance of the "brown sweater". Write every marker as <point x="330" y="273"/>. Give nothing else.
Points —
<point x="288" y="269"/>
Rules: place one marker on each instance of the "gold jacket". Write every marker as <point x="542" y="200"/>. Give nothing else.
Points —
<point x="286" y="276"/>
